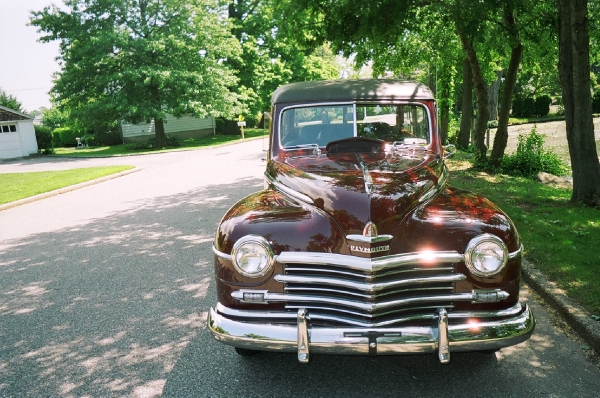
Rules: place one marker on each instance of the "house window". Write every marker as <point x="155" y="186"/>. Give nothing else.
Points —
<point x="8" y="128"/>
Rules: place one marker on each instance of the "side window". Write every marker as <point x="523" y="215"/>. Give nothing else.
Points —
<point x="8" y="128"/>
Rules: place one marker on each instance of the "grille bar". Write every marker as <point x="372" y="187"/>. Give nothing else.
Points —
<point x="369" y="287"/>
<point x="359" y="305"/>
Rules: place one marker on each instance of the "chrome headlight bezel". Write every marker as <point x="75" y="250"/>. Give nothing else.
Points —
<point x="252" y="246"/>
<point x="491" y="244"/>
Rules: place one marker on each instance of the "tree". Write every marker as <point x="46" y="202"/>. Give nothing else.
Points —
<point x="501" y="137"/>
<point x="137" y="60"/>
<point x="466" y="120"/>
<point x="270" y="57"/>
<point x="9" y="101"/>
<point x="574" y="71"/>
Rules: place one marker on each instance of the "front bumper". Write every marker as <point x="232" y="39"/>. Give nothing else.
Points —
<point x="446" y="334"/>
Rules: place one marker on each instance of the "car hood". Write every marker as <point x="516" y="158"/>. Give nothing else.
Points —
<point x="357" y="188"/>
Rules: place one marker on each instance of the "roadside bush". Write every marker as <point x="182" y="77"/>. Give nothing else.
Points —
<point x="66" y="136"/>
<point x="231" y="128"/>
<point x="220" y="126"/>
<point x="151" y="144"/>
<point x="43" y="136"/>
<point x="542" y="105"/>
<point x="531" y="158"/>
<point x="530" y="107"/>
<point x="524" y="107"/>
<point x="56" y="143"/>
<point x="108" y="137"/>
<point x="89" y="139"/>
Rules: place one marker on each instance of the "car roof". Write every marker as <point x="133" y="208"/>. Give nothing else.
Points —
<point x="352" y="89"/>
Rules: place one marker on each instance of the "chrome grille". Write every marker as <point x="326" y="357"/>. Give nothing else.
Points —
<point x="376" y="292"/>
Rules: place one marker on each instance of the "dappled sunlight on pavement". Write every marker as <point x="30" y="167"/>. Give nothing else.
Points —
<point x="107" y="308"/>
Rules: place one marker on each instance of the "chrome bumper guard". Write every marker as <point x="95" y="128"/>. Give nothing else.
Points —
<point x="444" y="336"/>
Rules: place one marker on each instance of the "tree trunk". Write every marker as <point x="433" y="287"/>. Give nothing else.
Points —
<point x="464" y="135"/>
<point x="159" y="129"/>
<point x="481" y="99"/>
<point x="159" y="125"/>
<point x="574" y="71"/>
<point x="501" y="137"/>
<point x="493" y="94"/>
<point x="444" y="101"/>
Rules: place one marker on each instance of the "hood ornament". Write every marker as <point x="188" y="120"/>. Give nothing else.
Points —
<point x="370" y="235"/>
<point x="370" y="243"/>
<point x="370" y="230"/>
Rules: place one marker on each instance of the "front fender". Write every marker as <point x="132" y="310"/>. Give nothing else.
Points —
<point x="287" y="224"/>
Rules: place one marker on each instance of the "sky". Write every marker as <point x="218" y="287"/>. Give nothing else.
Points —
<point x="26" y="65"/>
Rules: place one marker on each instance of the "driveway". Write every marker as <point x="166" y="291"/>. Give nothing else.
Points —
<point x="104" y="291"/>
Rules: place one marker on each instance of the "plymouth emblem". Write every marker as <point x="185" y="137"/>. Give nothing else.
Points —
<point x="370" y="230"/>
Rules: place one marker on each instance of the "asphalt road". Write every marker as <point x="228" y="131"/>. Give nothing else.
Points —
<point x="104" y="291"/>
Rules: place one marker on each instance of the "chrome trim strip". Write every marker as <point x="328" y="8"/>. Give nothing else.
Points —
<point x="267" y="316"/>
<point x="220" y="254"/>
<point x="292" y="269"/>
<point x="369" y="307"/>
<point x="355" y="322"/>
<point x="434" y="191"/>
<point x="369" y="239"/>
<point x="368" y="264"/>
<point x="514" y="254"/>
<point x="367" y="287"/>
<point x="462" y="335"/>
<point x="288" y="191"/>
<point x="367" y="296"/>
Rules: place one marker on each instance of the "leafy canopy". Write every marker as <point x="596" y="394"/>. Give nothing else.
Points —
<point x="10" y="101"/>
<point x="136" y="60"/>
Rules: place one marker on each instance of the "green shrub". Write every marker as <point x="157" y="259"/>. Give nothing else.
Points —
<point x="531" y="157"/>
<point x="231" y="128"/>
<point x="108" y="137"/>
<point x="523" y="107"/>
<point x="219" y="126"/>
<point x="530" y="107"/>
<point x="151" y="144"/>
<point x="43" y="136"/>
<point x="66" y="136"/>
<point x="542" y="105"/>
<point x="89" y="139"/>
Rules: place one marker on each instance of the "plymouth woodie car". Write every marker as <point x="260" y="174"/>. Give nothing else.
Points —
<point x="357" y="244"/>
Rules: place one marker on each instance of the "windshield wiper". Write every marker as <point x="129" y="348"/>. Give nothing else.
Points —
<point x="315" y="147"/>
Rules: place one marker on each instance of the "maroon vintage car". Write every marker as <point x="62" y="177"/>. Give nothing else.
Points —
<point x="357" y="244"/>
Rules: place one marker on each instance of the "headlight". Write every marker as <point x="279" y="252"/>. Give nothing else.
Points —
<point x="486" y="255"/>
<point x="252" y="256"/>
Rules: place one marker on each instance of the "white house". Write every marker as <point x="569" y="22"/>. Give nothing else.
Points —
<point x="179" y="128"/>
<point x="17" y="135"/>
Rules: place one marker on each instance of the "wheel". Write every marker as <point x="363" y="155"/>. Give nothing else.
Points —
<point x="245" y="352"/>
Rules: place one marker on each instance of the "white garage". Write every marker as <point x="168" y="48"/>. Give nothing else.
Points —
<point x="17" y="134"/>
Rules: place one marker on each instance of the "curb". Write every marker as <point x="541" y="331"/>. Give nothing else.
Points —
<point x="575" y="316"/>
<point x="70" y="188"/>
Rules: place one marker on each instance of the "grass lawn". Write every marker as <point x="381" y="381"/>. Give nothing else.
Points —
<point x="17" y="186"/>
<point x="192" y="143"/>
<point x="561" y="239"/>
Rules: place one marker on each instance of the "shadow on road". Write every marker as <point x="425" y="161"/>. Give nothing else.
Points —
<point x="106" y="308"/>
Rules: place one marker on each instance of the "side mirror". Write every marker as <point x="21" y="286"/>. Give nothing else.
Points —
<point x="449" y="150"/>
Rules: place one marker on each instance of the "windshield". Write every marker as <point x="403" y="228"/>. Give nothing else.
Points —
<point x="323" y="123"/>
